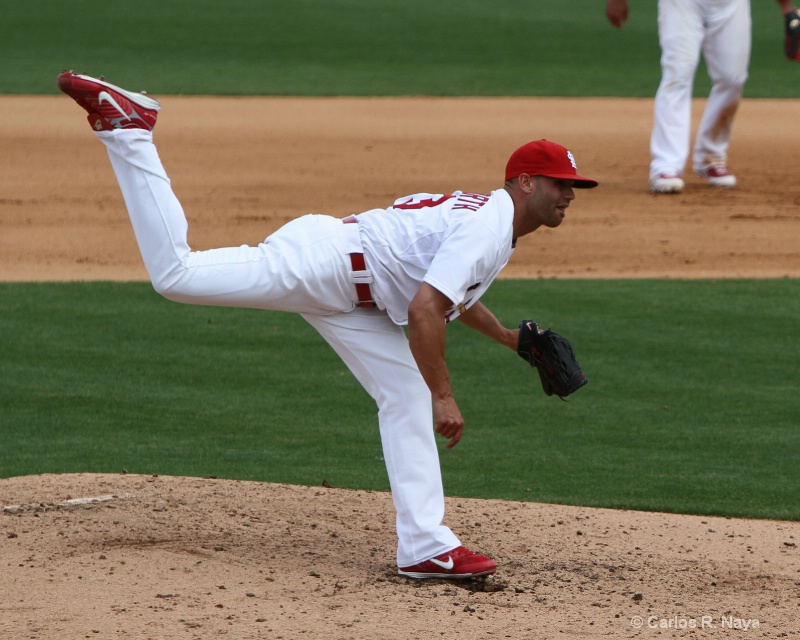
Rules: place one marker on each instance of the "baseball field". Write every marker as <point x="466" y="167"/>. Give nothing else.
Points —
<point x="186" y="472"/>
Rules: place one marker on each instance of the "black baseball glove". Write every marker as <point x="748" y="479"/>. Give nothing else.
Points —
<point x="552" y="356"/>
<point x="792" y="43"/>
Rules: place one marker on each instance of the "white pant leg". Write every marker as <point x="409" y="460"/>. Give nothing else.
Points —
<point x="680" y="34"/>
<point x="726" y="50"/>
<point x="303" y="267"/>
<point x="376" y="351"/>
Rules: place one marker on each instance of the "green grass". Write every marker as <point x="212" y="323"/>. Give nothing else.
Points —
<point x="692" y="404"/>
<point x="108" y="376"/>
<point x="361" y="48"/>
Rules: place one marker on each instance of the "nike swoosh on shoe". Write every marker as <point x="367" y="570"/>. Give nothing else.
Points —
<point x="447" y="566"/>
<point x="105" y="96"/>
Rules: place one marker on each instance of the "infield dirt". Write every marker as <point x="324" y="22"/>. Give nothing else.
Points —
<point x="166" y="557"/>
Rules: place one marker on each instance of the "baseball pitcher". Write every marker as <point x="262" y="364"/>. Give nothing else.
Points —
<point x="423" y="262"/>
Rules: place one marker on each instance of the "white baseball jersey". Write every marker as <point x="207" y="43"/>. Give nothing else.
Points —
<point x="457" y="243"/>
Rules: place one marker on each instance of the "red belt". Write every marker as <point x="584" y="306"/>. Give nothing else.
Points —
<point x="363" y="290"/>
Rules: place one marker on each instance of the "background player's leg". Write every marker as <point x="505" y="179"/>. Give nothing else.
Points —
<point x="376" y="351"/>
<point x="680" y="34"/>
<point x="726" y="50"/>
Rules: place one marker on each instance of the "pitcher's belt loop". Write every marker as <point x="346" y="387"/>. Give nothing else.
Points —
<point x="361" y="276"/>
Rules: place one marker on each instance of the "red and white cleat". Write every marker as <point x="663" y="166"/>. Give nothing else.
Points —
<point x="458" y="564"/>
<point x="717" y="174"/>
<point x="669" y="182"/>
<point x="110" y="107"/>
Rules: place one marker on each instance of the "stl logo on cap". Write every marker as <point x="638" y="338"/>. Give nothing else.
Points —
<point x="572" y="160"/>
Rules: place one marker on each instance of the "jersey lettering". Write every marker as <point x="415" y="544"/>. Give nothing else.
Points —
<point x="470" y="201"/>
<point x="422" y="204"/>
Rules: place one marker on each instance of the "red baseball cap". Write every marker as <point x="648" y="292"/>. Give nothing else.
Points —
<point x="545" y="158"/>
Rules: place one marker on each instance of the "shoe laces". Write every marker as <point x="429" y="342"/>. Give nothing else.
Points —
<point x="460" y="552"/>
<point x="717" y="169"/>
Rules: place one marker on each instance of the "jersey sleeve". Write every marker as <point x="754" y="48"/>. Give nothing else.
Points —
<point x="467" y="256"/>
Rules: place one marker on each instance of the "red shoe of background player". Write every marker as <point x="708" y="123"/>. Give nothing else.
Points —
<point x="109" y="106"/>
<point x="717" y="174"/>
<point x="457" y="564"/>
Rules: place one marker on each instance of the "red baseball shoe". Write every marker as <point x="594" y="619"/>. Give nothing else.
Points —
<point x="109" y="106"/>
<point x="457" y="564"/>
<point x="716" y="173"/>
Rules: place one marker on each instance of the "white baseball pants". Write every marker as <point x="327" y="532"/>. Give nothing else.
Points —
<point x="304" y="267"/>
<point x="721" y="30"/>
